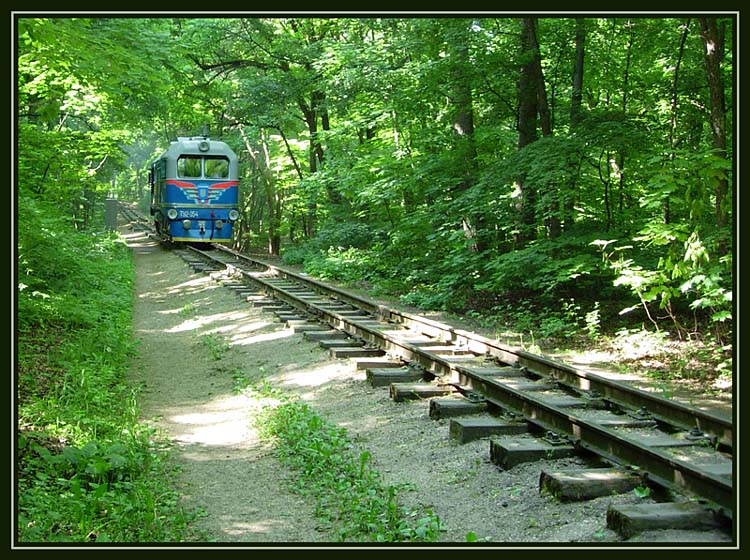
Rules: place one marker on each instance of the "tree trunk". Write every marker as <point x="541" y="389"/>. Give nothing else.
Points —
<point x="262" y="160"/>
<point x="541" y="89"/>
<point x="527" y="124"/>
<point x="619" y="164"/>
<point x="576" y="101"/>
<point x="545" y="121"/>
<point x="463" y="126"/>
<point x="666" y="210"/>
<point x="576" y="97"/>
<point x="714" y="45"/>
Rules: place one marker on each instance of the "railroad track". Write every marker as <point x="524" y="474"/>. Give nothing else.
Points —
<point x="540" y="408"/>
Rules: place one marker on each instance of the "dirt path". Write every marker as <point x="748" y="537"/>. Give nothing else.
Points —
<point x="189" y="392"/>
<point x="189" y="395"/>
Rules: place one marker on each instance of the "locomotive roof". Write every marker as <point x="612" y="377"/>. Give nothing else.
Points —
<point x="192" y="146"/>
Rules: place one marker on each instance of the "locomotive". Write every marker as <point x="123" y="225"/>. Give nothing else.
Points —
<point x="194" y="191"/>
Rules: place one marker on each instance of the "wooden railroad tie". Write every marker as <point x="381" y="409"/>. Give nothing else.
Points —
<point x="585" y="484"/>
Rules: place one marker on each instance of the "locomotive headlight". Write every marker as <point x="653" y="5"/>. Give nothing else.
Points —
<point x="172" y="213"/>
<point x="186" y="224"/>
<point x="219" y="224"/>
<point x="234" y="215"/>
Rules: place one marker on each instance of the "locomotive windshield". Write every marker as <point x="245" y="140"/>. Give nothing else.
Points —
<point x="189" y="167"/>
<point x="216" y="168"/>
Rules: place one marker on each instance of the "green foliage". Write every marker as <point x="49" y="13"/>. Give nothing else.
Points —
<point x="684" y="269"/>
<point x="351" y="154"/>
<point x="59" y="269"/>
<point x="241" y="380"/>
<point x="348" y="265"/>
<point x="87" y="469"/>
<point x="548" y="267"/>
<point x="349" y="491"/>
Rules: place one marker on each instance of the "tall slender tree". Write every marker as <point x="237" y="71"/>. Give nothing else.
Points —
<point x="462" y="120"/>
<point x="713" y="42"/>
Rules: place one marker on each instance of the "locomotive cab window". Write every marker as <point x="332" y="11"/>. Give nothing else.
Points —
<point x="189" y="166"/>
<point x="216" y="168"/>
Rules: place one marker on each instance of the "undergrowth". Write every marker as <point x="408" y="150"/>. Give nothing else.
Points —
<point x="86" y="469"/>
<point x="571" y="293"/>
<point x="349" y="492"/>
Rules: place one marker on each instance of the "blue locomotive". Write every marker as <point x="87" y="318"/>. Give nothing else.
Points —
<point x="194" y="191"/>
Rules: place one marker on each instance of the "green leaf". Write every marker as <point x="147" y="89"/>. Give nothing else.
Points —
<point x="721" y="316"/>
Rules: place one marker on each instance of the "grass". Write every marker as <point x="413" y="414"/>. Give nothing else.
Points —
<point x="349" y="492"/>
<point x="86" y="469"/>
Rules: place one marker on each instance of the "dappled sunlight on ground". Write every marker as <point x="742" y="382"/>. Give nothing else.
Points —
<point x="238" y="528"/>
<point x="596" y="362"/>
<point x="221" y="421"/>
<point x="600" y="363"/>
<point x="242" y="340"/>
<point x="204" y="320"/>
<point x="139" y="239"/>
<point x="192" y="286"/>
<point x="133" y="236"/>
<point x="317" y="376"/>
<point x="205" y="392"/>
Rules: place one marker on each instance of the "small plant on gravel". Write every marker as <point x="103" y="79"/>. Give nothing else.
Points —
<point x="241" y="380"/>
<point x="187" y="310"/>
<point x="471" y="536"/>
<point x="593" y="322"/>
<point x="216" y="345"/>
<point x="349" y="492"/>
<point x="534" y="348"/>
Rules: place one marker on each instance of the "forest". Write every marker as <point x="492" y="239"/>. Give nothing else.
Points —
<point x="561" y="175"/>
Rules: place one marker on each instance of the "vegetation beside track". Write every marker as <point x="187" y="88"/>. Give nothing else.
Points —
<point x="680" y="351"/>
<point x="87" y="470"/>
<point x="349" y="492"/>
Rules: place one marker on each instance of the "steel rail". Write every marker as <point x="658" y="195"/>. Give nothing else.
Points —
<point x="670" y="412"/>
<point x="661" y="468"/>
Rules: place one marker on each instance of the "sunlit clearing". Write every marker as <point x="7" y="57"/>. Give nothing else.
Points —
<point x="204" y="320"/>
<point x="223" y="421"/>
